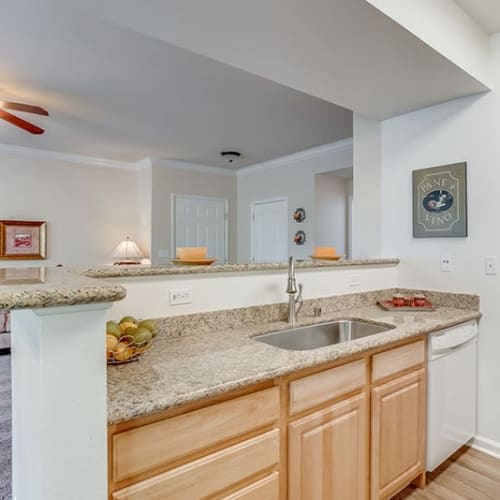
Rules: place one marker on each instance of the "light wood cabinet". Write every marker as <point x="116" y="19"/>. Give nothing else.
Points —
<point x="208" y="475"/>
<point x="351" y="431"/>
<point x="311" y="391"/>
<point x="328" y="453"/>
<point x="267" y="488"/>
<point x="397" y="434"/>
<point x="390" y="363"/>
<point x="149" y="446"/>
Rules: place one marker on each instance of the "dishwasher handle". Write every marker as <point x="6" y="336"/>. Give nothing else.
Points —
<point x="439" y="353"/>
<point x="444" y="340"/>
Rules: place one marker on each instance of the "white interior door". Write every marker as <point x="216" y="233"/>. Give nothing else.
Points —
<point x="201" y="222"/>
<point x="269" y="231"/>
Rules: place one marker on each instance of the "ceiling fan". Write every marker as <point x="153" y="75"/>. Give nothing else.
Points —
<point x="19" y="122"/>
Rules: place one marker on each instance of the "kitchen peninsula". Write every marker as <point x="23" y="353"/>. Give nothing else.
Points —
<point x="200" y="360"/>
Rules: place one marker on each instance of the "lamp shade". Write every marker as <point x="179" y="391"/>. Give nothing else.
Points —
<point x="127" y="250"/>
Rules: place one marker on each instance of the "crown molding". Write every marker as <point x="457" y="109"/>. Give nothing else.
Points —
<point x="342" y="145"/>
<point x="193" y="167"/>
<point x="26" y="152"/>
<point x="47" y="154"/>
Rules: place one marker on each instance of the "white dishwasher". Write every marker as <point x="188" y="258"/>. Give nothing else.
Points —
<point x="452" y="387"/>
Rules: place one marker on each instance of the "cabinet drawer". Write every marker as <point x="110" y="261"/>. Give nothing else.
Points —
<point x="265" y="489"/>
<point x="208" y="475"/>
<point x="315" y="389"/>
<point x="144" y="448"/>
<point x="396" y="360"/>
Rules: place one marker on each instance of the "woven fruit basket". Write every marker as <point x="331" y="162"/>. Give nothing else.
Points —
<point x="128" y="339"/>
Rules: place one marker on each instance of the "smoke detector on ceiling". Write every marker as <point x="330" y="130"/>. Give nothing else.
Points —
<point x="230" y="156"/>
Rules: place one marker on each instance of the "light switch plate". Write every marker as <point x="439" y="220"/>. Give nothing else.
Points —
<point x="490" y="265"/>
<point x="180" y="296"/>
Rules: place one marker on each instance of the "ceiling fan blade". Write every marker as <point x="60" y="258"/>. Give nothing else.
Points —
<point x="28" y="108"/>
<point x="19" y="122"/>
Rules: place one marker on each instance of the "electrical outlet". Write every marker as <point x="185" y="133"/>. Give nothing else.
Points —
<point x="355" y="280"/>
<point x="180" y="296"/>
<point x="446" y="265"/>
<point x="490" y="265"/>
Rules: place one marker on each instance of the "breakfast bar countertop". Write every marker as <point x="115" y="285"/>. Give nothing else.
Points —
<point x="171" y="270"/>
<point x="38" y="287"/>
<point x="204" y="361"/>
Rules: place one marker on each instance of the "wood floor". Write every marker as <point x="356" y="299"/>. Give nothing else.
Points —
<point x="468" y="474"/>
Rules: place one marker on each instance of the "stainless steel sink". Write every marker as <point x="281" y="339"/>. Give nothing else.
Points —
<point x="321" y="335"/>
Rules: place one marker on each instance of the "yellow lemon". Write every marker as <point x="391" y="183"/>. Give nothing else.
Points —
<point x="111" y="342"/>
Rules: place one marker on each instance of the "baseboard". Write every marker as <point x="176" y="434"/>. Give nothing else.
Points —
<point x="486" y="445"/>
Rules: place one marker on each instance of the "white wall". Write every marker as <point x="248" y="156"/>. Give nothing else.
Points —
<point x="145" y="206"/>
<point x="88" y="209"/>
<point x="149" y="296"/>
<point x="330" y="211"/>
<point x="366" y="216"/>
<point x="168" y="180"/>
<point x="463" y="130"/>
<point x="444" y="26"/>
<point x="293" y="178"/>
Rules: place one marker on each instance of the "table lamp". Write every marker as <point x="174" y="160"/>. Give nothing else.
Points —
<point x="127" y="252"/>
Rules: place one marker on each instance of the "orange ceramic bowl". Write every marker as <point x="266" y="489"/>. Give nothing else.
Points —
<point x="191" y="253"/>
<point x="325" y="251"/>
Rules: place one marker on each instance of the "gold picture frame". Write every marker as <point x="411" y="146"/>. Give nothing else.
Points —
<point x="23" y="240"/>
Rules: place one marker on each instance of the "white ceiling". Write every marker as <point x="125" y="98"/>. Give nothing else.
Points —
<point x="125" y="79"/>
<point x="485" y="12"/>
<point x="344" y="51"/>
<point x="115" y="93"/>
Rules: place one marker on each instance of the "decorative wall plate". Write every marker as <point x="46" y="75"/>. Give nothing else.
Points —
<point x="299" y="238"/>
<point x="299" y="215"/>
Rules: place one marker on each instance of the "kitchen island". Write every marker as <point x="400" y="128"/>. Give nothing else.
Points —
<point x="208" y="391"/>
<point x="68" y="406"/>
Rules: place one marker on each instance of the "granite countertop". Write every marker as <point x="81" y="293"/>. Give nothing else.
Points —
<point x="35" y="287"/>
<point x="144" y="270"/>
<point x="186" y="368"/>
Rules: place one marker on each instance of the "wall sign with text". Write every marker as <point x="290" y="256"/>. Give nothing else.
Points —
<point x="440" y="202"/>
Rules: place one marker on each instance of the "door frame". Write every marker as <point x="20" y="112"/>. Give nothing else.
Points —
<point x="252" y="221"/>
<point x="173" y="198"/>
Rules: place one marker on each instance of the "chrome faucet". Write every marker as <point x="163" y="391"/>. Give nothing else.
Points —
<point x="291" y="289"/>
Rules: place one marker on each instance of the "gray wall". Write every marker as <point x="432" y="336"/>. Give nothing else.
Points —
<point x="294" y="179"/>
<point x="330" y="221"/>
<point x="167" y="181"/>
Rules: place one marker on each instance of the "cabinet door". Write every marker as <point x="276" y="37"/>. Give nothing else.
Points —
<point x="328" y="453"/>
<point x="398" y="434"/>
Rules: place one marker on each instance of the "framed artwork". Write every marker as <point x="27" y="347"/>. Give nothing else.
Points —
<point x="440" y="202"/>
<point x="23" y="240"/>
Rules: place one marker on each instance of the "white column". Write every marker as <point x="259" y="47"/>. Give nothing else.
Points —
<point x="59" y="421"/>
<point x="367" y="188"/>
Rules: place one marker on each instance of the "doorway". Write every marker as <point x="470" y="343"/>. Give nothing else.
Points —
<point x="333" y="210"/>
<point x="200" y="221"/>
<point x="269" y="223"/>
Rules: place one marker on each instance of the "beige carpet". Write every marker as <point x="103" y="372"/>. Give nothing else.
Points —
<point x="5" y="433"/>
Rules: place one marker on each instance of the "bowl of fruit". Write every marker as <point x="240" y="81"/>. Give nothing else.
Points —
<point x="128" y="338"/>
